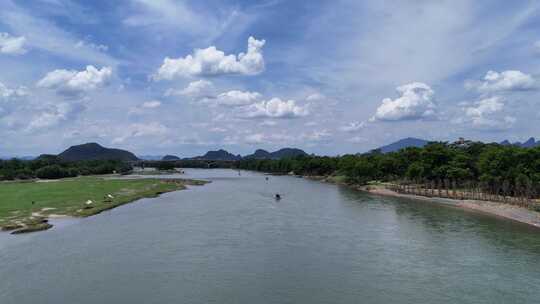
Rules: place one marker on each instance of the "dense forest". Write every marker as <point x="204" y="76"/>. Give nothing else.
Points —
<point x="503" y="170"/>
<point x="51" y="167"/>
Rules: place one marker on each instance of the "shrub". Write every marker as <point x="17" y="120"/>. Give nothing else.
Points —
<point x="52" y="172"/>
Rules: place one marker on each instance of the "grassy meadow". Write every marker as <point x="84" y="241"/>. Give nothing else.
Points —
<point x="26" y="205"/>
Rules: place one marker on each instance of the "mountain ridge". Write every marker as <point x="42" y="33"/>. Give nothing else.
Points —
<point x="402" y="144"/>
<point x="529" y="143"/>
<point x="278" y="154"/>
<point x="94" y="151"/>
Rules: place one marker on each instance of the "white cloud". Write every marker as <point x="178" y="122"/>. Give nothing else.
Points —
<point x="196" y="89"/>
<point x="316" y="97"/>
<point x="211" y="61"/>
<point x="357" y="140"/>
<point x="256" y="138"/>
<point x="145" y="107"/>
<point x="10" y="98"/>
<point x="485" y="106"/>
<point x="44" y="34"/>
<point x="71" y="82"/>
<point x="152" y="129"/>
<point x="353" y="126"/>
<point x="54" y="115"/>
<point x="12" y="45"/>
<point x="151" y="104"/>
<point x="7" y="94"/>
<point x="187" y="19"/>
<point x="155" y="12"/>
<point x="511" y="80"/>
<point x="261" y="138"/>
<point x="317" y="136"/>
<point x="275" y="108"/>
<point x="237" y="98"/>
<point x="487" y="114"/>
<point x="98" y="47"/>
<point x="416" y="101"/>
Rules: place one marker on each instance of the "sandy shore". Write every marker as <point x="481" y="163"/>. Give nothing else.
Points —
<point x="512" y="212"/>
<point x="508" y="211"/>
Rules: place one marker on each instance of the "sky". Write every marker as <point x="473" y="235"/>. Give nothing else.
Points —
<point x="331" y="77"/>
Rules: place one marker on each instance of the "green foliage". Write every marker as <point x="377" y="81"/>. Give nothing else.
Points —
<point x="495" y="168"/>
<point x="55" y="172"/>
<point x="51" y="167"/>
<point x="165" y="165"/>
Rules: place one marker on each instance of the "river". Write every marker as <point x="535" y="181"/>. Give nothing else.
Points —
<point x="231" y="242"/>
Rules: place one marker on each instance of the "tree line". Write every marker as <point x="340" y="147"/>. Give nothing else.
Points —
<point x="51" y="167"/>
<point x="489" y="168"/>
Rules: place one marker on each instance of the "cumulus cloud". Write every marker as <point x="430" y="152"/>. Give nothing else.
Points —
<point x="10" y="45"/>
<point x="353" y="126"/>
<point x="487" y="114"/>
<point x="416" y="101"/>
<point x="511" y="80"/>
<point x="53" y="115"/>
<point x="275" y="108"/>
<point x="71" y="82"/>
<point x="237" y="98"/>
<point x="211" y="61"/>
<point x="195" y="89"/>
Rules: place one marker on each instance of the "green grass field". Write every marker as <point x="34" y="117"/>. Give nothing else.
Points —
<point x="29" y="203"/>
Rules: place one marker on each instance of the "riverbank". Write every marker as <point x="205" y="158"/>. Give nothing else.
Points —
<point x="27" y="206"/>
<point x="508" y="211"/>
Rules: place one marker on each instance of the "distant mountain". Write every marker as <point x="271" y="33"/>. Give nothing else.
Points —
<point x="279" y="154"/>
<point x="404" y="143"/>
<point x="6" y="157"/>
<point x="150" y="157"/>
<point x="170" y="158"/>
<point x="530" y="143"/>
<point x="218" y="155"/>
<point x="287" y="152"/>
<point x="93" y="151"/>
<point x="48" y="157"/>
<point x="259" y="154"/>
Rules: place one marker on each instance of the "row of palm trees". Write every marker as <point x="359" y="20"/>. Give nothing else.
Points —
<point x="517" y="193"/>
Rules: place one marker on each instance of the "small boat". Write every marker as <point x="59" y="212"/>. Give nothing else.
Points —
<point x="278" y="197"/>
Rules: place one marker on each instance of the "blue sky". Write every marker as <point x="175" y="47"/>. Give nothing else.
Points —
<point x="330" y="77"/>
